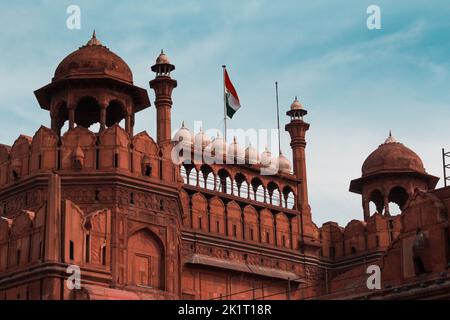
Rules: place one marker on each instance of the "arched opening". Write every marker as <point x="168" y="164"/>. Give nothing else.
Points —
<point x="191" y="174"/>
<point x="225" y="184"/>
<point x="208" y="177"/>
<point x="87" y="112"/>
<point x="241" y="185"/>
<point x="274" y="194"/>
<point x="397" y="200"/>
<point x="145" y="260"/>
<point x="258" y="190"/>
<point x="115" y="112"/>
<point x="289" y="197"/>
<point x="376" y="201"/>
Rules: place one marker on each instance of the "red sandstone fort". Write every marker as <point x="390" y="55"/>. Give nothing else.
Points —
<point x="141" y="227"/>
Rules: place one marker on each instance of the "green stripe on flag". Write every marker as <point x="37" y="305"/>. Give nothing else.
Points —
<point x="230" y="111"/>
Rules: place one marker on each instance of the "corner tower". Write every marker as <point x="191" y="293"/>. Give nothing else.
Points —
<point x="92" y="85"/>
<point x="163" y="85"/>
<point x="391" y="173"/>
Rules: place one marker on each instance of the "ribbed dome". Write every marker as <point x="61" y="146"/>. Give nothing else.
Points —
<point x="183" y="134"/>
<point x="201" y="139"/>
<point x="392" y="156"/>
<point x="91" y="60"/>
<point x="266" y="157"/>
<point x="284" y="165"/>
<point x="251" y="155"/>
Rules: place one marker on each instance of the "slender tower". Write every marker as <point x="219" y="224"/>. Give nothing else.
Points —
<point x="163" y="85"/>
<point x="297" y="130"/>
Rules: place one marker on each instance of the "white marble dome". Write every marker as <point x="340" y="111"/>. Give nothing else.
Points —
<point x="266" y="157"/>
<point x="183" y="135"/>
<point x="219" y="146"/>
<point x="251" y="155"/>
<point x="235" y="150"/>
<point x="284" y="165"/>
<point x="201" y="139"/>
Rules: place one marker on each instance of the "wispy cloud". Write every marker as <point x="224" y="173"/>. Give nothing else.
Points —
<point x="357" y="84"/>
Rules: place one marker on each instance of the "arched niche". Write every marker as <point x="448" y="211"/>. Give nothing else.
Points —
<point x="199" y="217"/>
<point x="234" y="220"/>
<point x="78" y="142"/>
<point x="43" y="149"/>
<point x="267" y="227"/>
<point x="146" y="263"/>
<point x="217" y="215"/>
<point x="19" y="155"/>
<point x="145" y="155"/>
<point x="283" y="230"/>
<point x="251" y="223"/>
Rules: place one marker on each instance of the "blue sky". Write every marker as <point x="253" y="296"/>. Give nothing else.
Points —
<point x="356" y="83"/>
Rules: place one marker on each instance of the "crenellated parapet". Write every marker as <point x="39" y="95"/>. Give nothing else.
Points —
<point x="359" y="238"/>
<point x="80" y="150"/>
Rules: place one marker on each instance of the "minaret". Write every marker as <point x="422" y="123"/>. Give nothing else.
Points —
<point x="163" y="85"/>
<point x="297" y="129"/>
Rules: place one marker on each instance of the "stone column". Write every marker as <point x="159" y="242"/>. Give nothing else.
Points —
<point x="71" y="117"/>
<point x="366" y="209"/>
<point x="103" y="107"/>
<point x="128" y="124"/>
<point x="386" y="205"/>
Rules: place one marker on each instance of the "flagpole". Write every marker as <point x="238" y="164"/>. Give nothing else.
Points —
<point x="224" y="104"/>
<point x="278" y="118"/>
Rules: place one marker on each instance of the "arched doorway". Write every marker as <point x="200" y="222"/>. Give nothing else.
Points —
<point x="145" y="260"/>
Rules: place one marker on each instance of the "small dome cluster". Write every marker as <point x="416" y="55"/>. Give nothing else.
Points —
<point x="233" y="150"/>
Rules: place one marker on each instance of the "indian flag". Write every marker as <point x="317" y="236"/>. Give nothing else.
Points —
<point x="231" y="98"/>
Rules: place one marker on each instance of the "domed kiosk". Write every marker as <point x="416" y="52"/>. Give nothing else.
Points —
<point x="92" y="85"/>
<point x="391" y="173"/>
